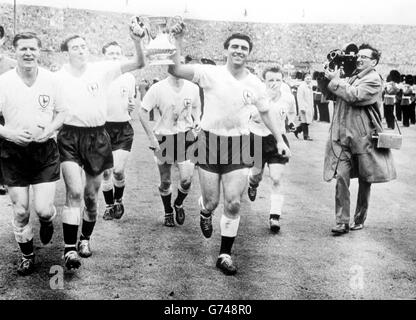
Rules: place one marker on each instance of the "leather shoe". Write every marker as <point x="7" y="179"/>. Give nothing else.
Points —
<point x="356" y="226"/>
<point x="341" y="228"/>
<point x="308" y="139"/>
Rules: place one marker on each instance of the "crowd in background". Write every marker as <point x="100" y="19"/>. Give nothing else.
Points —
<point x="299" y="48"/>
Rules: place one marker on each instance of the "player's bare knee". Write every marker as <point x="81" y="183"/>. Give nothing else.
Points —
<point x="21" y="216"/>
<point x="90" y="202"/>
<point x="118" y="174"/>
<point x="164" y="186"/>
<point x="185" y="184"/>
<point x="45" y="212"/>
<point x="211" y="204"/>
<point x="107" y="174"/>
<point x="233" y="207"/>
<point x="75" y="194"/>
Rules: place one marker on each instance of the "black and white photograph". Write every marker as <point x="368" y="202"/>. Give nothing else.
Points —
<point x="225" y="152"/>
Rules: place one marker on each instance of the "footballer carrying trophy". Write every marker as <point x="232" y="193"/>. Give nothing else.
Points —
<point x="158" y="40"/>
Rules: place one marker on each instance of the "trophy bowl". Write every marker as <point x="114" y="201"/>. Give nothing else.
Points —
<point x="158" y="42"/>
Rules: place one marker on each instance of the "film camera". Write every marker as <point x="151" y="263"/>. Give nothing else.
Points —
<point x="345" y="60"/>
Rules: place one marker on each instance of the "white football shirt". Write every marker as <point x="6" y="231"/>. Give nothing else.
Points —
<point x="227" y="101"/>
<point x="86" y="95"/>
<point x="29" y="108"/>
<point x="279" y="110"/>
<point x="175" y="107"/>
<point x="120" y="91"/>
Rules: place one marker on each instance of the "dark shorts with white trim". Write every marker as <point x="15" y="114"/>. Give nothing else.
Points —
<point x="32" y="164"/>
<point x="121" y="135"/>
<point x="269" y="150"/>
<point x="89" y="147"/>
<point x="222" y="154"/>
<point x="175" y="147"/>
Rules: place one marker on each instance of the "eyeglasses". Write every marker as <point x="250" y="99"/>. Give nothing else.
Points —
<point x="360" y="56"/>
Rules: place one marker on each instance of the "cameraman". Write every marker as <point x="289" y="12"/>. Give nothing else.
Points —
<point x="350" y="151"/>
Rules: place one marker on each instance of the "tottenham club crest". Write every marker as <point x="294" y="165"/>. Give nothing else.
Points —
<point x="92" y="88"/>
<point x="187" y="103"/>
<point x="44" y="100"/>
<point x="248" y="97"/>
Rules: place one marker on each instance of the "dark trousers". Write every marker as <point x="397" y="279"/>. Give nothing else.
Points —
<point x="323" y="111"/>
<point x="315" y="111"/>
<point x="389" y="115"/>
<point x="342" y="195"/>
<point x="406" y="115"/>
<point x="398" y="112"/>
<point x="413" y="113"/>
<point x="303" y="127"/>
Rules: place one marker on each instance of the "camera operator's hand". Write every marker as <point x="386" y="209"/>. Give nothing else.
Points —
<point x="332" y="74"/>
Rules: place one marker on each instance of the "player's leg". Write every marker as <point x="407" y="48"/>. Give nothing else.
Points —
<point x="165" y="191"/>
<point x="108" y="192"/>
<point x="210" y="197"/>
<point x="71" y="213"/>
<point x="90" y="212"/>
<point x="234" y="184"/>
<point x="44" y="195"/>
<point x="254" y="177"/>
<point x="276" y="196"/>
<point x="342" y="196"/>
<point x="186" y="170"/>
<point x="22" y="230"/>
<point x="119" y="180"/>
<point x="256" y="171"/>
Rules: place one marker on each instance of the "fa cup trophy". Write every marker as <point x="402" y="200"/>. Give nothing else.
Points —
<point x="158" y="39"/>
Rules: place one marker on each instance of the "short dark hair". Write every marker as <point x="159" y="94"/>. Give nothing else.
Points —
<point x="375" y="54"/>
<point x="26" y="35"/>
<point x="112" y="43"/>
<point x="305" y="75"/>
<point x="274" y="69"/>
<point x="239" y="36"/>
<point x="64" y="44"/>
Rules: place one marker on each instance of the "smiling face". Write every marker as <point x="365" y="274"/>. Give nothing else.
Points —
<point x="27" y="53"/>
<point x="78" y="51"/>
<point x="364" y="59"/>
<point x="238" y="51"/>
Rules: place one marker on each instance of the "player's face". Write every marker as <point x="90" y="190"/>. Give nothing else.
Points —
<point x="273" y="81"/>
<point x="308" y="79"/>
<point x="27" y="53"/>
<point x="78" y="51"/>
<point x="238" y="51"/>
<point x="113" y="53"/>
<point x="364" y="59"/>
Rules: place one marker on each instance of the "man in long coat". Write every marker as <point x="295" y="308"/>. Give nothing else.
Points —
<point x="305" y="103"/>
<point x="350" y="150"/>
